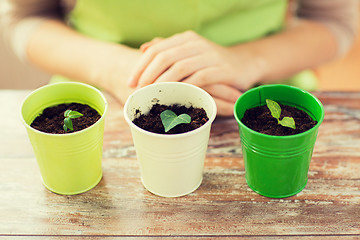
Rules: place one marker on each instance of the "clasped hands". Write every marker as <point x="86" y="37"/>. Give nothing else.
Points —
<point x="190" y="58"/>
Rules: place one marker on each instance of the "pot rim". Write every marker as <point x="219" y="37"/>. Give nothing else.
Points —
<point x="64" y="83"/>
<point x="170" y="136"/>
<point x="316" y="100"/>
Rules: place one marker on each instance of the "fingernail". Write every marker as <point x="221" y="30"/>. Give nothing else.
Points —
<point x="143" y="47"/>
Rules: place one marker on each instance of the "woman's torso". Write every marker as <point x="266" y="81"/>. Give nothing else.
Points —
<point x="225" y="22"/>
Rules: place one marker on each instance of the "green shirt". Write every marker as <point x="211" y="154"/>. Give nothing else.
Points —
<point x="226" y="22"/>
<point x="133" y="22"/>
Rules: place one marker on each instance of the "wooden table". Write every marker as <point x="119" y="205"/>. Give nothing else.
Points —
<point x="223" y="207"/>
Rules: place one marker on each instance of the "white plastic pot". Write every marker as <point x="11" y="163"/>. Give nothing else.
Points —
<point x="170" y="165"/>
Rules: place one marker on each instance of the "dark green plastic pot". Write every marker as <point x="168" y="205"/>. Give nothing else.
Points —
<point x="277" y="166"/>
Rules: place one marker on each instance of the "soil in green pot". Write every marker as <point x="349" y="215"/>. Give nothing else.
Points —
<point x="51" y="120"/>
<point x="260" y="119"/>
<point x="152" y="122"/>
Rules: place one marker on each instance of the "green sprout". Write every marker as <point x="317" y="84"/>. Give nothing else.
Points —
<point x="275" y="110"/>
<point x="69" y="114"/>
<point x="170" y="119"/>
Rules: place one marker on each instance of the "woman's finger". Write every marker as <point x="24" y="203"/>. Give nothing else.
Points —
<point x="211" y="75"/>
<point x="175" y="64"/>
<point x="224" y="108"/>
<point x="154" y="49"/>
<point x="185" y="68"/>
<point x="146" y="45"/>
<point x="224" y="92"/>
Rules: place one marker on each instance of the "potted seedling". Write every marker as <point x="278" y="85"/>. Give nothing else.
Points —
<point x="278" y="126"/>
<point x="65" y="125"/>
<point x="170" y="125"/>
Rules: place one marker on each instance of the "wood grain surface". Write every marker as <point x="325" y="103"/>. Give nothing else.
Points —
<point x="223" y="206"/>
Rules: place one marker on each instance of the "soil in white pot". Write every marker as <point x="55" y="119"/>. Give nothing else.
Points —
<point x="152" y="122"/>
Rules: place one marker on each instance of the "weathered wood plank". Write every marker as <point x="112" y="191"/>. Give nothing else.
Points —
<point x="13" y="138"/>
<point x="184" y="237"/>
<point x="223" y="206"/>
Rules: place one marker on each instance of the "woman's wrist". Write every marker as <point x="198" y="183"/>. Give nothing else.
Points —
<point x="251" y="65"/>
<point x="281" y="55"/>
<point x="113" y="69"/>
<point x="58" y="49"/>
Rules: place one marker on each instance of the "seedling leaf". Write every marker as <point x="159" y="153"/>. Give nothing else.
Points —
<point x="170" y="119"/>
<point x="68" y="124"/>
<point x="69" y="114"/>
<point x="288" y="122"/>
<point x="72" y="114"/>
<point x="274" y="108"/>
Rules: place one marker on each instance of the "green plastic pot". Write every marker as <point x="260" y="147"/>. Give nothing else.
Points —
<point x="277" y="166"/>
<point x="69" y="163"/>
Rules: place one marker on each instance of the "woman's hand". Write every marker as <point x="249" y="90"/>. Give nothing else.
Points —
<point x="224" y="96"/>
<point x="190" y="58"/>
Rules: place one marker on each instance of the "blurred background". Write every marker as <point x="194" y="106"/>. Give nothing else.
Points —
<point x="15" y="74"/>
<point x="340" y="75"/>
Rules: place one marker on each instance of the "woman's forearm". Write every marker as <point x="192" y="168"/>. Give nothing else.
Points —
<point x="56" y="48"/>
<point x="303" y="45"/>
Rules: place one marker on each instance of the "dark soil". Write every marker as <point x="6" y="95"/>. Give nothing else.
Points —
<point x="52" y="118"/>
<point x="152" y="122"/>
<point x="260" y="119"/>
